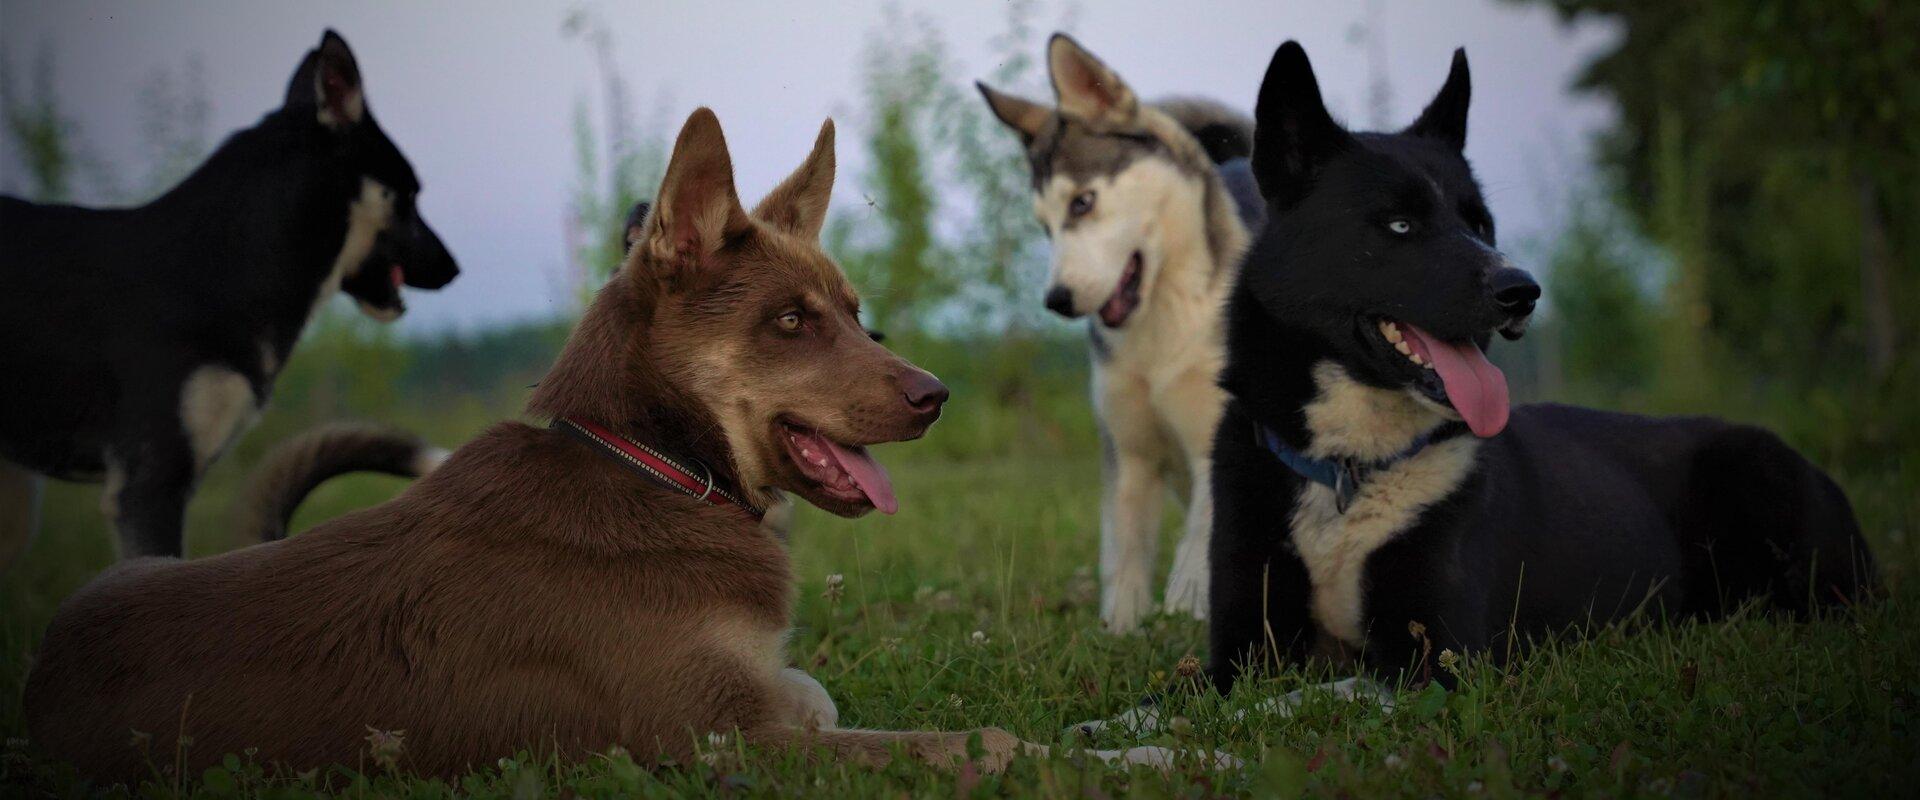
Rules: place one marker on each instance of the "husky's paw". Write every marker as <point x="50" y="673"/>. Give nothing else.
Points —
<point x="1187" y="587"/>
<point x="1124" y="605"/>
<point x="1139" y="720"/>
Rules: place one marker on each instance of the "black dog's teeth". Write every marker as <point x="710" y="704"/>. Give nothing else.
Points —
<point x="1394" y="337"/>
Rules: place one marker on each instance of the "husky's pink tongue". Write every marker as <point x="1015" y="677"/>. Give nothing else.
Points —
<point x="866" y="474"/>
<point x="1477" y="388"/>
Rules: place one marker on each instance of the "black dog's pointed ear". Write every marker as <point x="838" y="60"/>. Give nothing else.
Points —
<point x="329" y="80"/>
<point x="1446" y="117"/>
<point x="1293" y="133"/>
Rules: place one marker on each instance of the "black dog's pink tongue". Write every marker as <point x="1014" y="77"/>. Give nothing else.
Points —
<point x="1477" y="388"/>
<point x="866" y="474"/>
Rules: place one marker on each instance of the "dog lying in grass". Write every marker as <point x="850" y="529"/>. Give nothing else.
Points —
<point x="604" y="582"/>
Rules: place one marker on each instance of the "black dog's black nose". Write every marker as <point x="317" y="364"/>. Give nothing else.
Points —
<point x="1514" y="290"/>
<point x="1060" y="301"/>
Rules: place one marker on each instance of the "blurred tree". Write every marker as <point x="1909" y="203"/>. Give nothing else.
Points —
<point x="1602" y="313"/>
<point x="1769" y="144"/>
<point x="617" y="166"/>
<point x="887" y="241"/>
<point x="39" y="134"/>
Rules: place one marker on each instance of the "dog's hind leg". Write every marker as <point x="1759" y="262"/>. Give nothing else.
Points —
<point x="19" y="511"/>
<point x="1761" y="521"/>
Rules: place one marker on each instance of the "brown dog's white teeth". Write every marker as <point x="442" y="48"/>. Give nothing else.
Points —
<point x="1403" y="348"/>
<point x="1391" y="331"/>
<point x="1417" y="359"/>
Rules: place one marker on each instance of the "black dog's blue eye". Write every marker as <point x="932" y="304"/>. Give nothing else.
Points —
<point x="1400" y="226"/>
<point x="1082" y="203"/>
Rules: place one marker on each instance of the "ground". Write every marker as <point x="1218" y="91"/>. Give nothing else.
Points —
<point x="976" y="606"/>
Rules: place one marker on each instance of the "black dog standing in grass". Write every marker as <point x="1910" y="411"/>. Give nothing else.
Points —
<point x="137" y="343"/>
<point x="1369" y="479"/>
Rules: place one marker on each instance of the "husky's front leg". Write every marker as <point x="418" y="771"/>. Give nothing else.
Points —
<point x="1129" y="538"/>
<point x="1187" y="585"/>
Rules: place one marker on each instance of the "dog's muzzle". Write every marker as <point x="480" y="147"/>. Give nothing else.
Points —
<point x="1514" y="292"/>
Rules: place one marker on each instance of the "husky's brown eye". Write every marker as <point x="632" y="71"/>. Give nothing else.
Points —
<point x="1082" y="203"/>
<point x="789" y="321"/>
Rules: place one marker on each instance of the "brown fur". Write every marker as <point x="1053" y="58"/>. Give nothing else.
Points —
<point x="531" y="592"/>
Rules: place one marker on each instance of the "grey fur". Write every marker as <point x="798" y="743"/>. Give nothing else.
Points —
<point x="1226" y="134"/>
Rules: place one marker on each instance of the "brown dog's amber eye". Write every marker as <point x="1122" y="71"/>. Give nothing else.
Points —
<point x="1082" y="203"/>
<point x="789" y="321"/>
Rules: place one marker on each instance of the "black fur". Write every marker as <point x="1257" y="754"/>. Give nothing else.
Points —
<point x="105" y="312"/>
<point x="1569" y="516"/>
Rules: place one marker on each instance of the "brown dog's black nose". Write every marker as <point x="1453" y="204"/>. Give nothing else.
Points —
<point x="924" y="392"/>
<point x="1060" y="301"/>
<point x="1514" y="291"/>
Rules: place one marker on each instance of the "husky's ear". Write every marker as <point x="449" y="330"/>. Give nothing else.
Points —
<point x="697" y="212"/>
<point x="1085" y="87"/>
<point x="1293" y="133"/>
<point x="799" y="204"/>
<point x="329" y="80"/>
<point x="1446" y="117"/>
<point x="1025" y="117"/>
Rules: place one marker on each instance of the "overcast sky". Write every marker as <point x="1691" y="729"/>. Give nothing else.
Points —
<point x="480" y="96"/>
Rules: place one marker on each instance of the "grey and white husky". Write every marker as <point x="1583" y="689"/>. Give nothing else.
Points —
<point x="1146" y="239"/>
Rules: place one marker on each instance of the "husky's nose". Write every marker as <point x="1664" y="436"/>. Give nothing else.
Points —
<point x="1514" y="291"/>
<point x="924" y="393"/>
<point x="1060" y="300"/>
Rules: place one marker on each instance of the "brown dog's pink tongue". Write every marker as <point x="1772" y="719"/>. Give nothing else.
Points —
<point x="1477" y="388"/>
<point x="866" y="474"/>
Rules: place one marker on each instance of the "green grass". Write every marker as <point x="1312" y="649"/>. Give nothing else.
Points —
<point x="1002" y="547"/>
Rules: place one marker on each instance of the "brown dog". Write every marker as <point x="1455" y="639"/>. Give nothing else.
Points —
<point x="540" y="589"/>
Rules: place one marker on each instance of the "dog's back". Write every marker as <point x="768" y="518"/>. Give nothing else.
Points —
<point x="382" y="617"/>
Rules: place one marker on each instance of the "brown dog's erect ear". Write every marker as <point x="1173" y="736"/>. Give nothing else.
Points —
<point x="799" y="204"/>
<point x="1025" y="117"/>
<point x="1085" y="87"/>
<point x="329" y="80"/>
<point x="697" y="210"/>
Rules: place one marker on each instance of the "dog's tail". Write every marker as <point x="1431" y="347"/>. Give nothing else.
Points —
<point x="1226" y="134"/>
<point x="304" y="462"/>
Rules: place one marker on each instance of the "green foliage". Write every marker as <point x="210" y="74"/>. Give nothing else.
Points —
<point x="1753" y="707"/>
<point x="41" y="134"/>
<point x="1603" y="316"/>
<point x="617" y="166"/>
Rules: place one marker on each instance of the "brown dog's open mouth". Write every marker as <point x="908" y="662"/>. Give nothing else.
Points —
<point x="846" y="473"/>
<point x="1126" y="296"/>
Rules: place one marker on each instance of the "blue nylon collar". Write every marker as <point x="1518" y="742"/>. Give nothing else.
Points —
<point x="1344" y="475"/>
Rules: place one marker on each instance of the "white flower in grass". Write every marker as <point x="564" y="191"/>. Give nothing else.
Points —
<point x="1476" y="787"/>
<point x="955" y="701"/>
<point x="836" y="586"/>
<point x="979" y="638"/>
<point x="1394" y="761"/>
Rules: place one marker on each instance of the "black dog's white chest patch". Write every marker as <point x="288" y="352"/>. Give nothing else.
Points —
<point x="1352" y="419"/>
